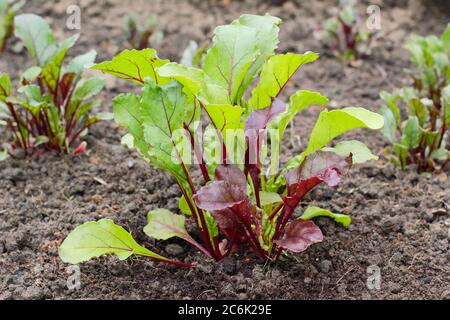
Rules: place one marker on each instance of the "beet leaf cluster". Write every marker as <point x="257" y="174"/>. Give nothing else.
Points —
<point x="226" y="121"/>
<point x="417" y="117"/>
<point x="53" y="104"/>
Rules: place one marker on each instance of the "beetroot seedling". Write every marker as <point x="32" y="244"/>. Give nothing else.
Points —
<point x="239" y="203"/>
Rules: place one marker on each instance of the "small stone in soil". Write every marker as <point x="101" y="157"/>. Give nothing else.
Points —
<point x="174" y="249"/>
<point x="130" y="164"/>
<point x="307" y="280"/>
<point x="325" y="266"/>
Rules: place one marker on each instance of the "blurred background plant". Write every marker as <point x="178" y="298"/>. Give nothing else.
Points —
<point x="142" y="36"/>
<point x="53" y="108"/>
<point x="343" y="34"/>
<point x="423" y="138"/>
<point x="8" y="10"/>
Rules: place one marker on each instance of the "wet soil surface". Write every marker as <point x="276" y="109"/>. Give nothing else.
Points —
<point x="400" y="219"/>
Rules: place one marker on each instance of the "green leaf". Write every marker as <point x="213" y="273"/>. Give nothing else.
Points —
<point x="411" y="133"/>
<point x="36" y="35"/>
<point x="276" y="72"/>
<point x="135" y="66"/>
<point x="445" y="103"/>
<point x="81" y="62"/>
<point x="184" y="207"/>
<point x="268" y="198"/>
<point x="88" y="88"/>
<point x="231" y="56"/>
<point x="163" y="224"/>
<point x="162" y="111"/>
<point x="360" y="152"/>
<point x="191" y="78"/>
<point x="127" y="113"/>
<point x="104" y="116"/>
<point x="419" y="108"/>
<point x="5" y="86"/>
<point x="95" y="239"/>
<point x="336" y="122"/>
<point x="314" y="212"/>
<point x="266" y="41"/>
<point x="390" y="125"/>
<point x="391" y="103"/>
<point x="440" y="154"/>
<point x="51" y="72"/>
<point x="446" y="38"/>
<point x="31" y="74"/>
<point x="225" y="116"/>
<point x="298" y="101"/>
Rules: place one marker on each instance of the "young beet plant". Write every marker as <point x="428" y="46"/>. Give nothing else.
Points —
<point x="342" y="34"/>
<point x="52" y="110"/>
<point x="8" y="10"/>
<point x="140" y="37"/>
<point x="423" y="138"/>
<point x="240" y="203"/>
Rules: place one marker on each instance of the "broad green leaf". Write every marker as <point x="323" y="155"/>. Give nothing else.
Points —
<point x="266" y="41"/>
<point x="330" y="125"/>
<point x="95" y="239"/>
<point x="298" y="101"/>
<point x="134" y="65"/>
<point x="360" y="152"/>
<point x="162" y="110"/>
<point x="225" y="116"/>
<point x="411" y="133"/>
<point x="314" y="212"/>
<point x="276" y="72"/>
<point x="231" y="56"/>
<point x="336" y="122"/>
<point x="390" y="125"/>
<point x="163" y="224"/>
<point x="36" y="35"/>
<point x="127" y="112"/>
<point x="191" y="78"/>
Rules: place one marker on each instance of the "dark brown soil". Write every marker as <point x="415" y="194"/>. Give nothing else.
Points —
<point x="400" y="219"/>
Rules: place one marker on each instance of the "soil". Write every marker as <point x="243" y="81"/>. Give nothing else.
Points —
<point x="400" y="219"/>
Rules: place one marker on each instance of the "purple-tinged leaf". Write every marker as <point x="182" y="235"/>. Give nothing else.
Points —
<point x="299" y="235"/>
<point x="318" y="167"/>
<point x="229" y="189"/>
<point x="259" y="119"/>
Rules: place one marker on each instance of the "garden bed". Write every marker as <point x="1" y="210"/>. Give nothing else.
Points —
<point x="400" y="219"/>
